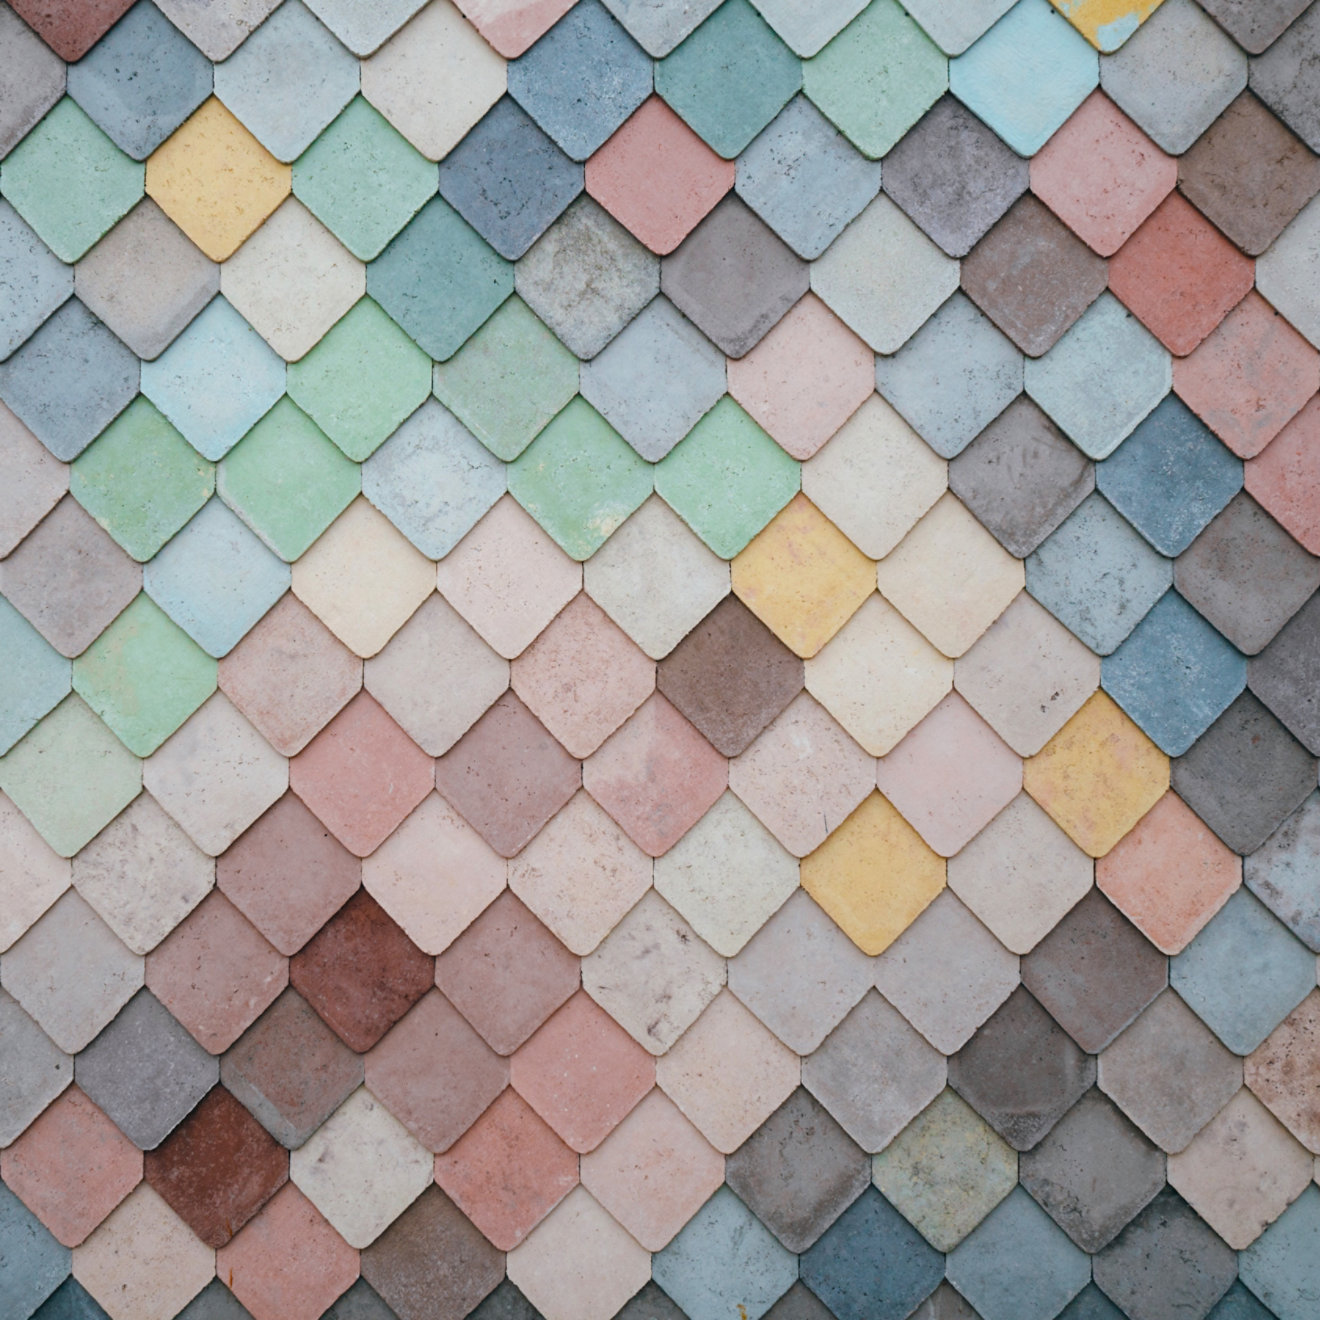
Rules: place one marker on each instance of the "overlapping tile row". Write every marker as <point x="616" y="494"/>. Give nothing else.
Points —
<point x="661" y="660"/>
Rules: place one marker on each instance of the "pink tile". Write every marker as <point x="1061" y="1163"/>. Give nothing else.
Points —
<point x="513" y="25"/>
<point x="1285" y="478"/>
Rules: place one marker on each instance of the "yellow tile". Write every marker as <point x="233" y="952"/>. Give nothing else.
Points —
<point x="802" y="577"/>
<point x="1106" y="24"/>
<point x="216" y="181"/>
<point x="874" y="875"/>
<point x="1097" y="776"/>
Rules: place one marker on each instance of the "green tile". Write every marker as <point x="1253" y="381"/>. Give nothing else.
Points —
<point x="877" y="77"/>
<point x="69" y="181"/>
<point x="363" y="179"/>
<point x="144" y="676"/>
<point x="508" y="380"/>
<point x="579" y="479"/>
<point x="141" y="480"/>
<point x="726" y="479"/>
<point x="287" y="481"/>
<point x="361" y="380"/>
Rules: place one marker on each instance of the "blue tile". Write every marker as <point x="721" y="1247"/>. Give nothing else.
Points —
<point x="1175" y="675"/>
<point x="37" y="676"/>
<point x="32" y="1263"/>
<point x="724" y="1263"/>
<point x="872" y="1264"/>
<point x="1170" y="477"/>
<point x="1243" y="973"/>
<point x="508" y="180"/>
<point x="1091" y="1304"/>
<point x="216" y="579"/>
<point x="1239" y="1304"/>
<point x="70" y="1301"/>
<point x="582" y="79"/>
<point x="33" y="280"/>
<point x="141" y="80"/>
<point x="1097" y="576"/>
<point x="216" y="381"/>
<point x="1282" y="1266"/>
<point x="1283" y="872"/>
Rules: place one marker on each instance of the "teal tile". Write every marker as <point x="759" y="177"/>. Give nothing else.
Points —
<point x="1282" y="1266"/>
<point x="32" y="1263"/>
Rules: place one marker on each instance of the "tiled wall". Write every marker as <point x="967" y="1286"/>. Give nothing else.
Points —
<point x="842" y="840"/>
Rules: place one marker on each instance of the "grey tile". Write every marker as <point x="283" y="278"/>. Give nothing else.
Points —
<point x="1254" y="24"/>
<point x="31" y="79"/>
<point x="1286" y="675"/>
<point x="650" y="1304"/>
<point x="33" y="280"/>
<point x="799" y="1303"/>
<point x="1287" y="78"/>
<point x="1281" y="873"/>
<point x="360" y="1302"/>
<point x="36" y="1070"/>
<point x="215" y="1302"/>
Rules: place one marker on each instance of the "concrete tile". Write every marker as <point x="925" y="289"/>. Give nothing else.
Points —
<point x="1106" y="24"/>
<point x="656" y="29"/>
<point x="1278" y="1266"/>
<point x="1284" y="272"/>
<point x="42" y="1070"/>
<point x="219" y="29"/>
<point x="580" y="874"/>
<point x="40" y="676"/>
<point x="36" y="281"/>
<point x="1281" y="480"/>
<point x="1239" y="1304"/>
<point x="35" y="481"/>
<point x="412" y="77"/>
<point x="33" y="77"/>
<point x="653" y="974"/>
<point x="803" y="178"/>
<point x="945" y="1303"/>
<point x="883" y="277"/>
<point x="1254" y="27"/>
<point x="1101" y="175"/>
<point x="512" y="26"/>
<point x="33" y="874"/>
<point x="1282" y="79"/>
<point x="946" y="1171"/>
<point x="953" y="31"/>
<point x="364" y="33"/>
<point x="1176" y="74"/>
<point x="214" y="1302"/>
<point x="1277" y="872"/>
<point x="653" y="1172"/>
<point x="1044" y="52"/>
<point x="145" y="1071"/>
<point x="1280" y="1069"/>
<point x="651" y="1303"/>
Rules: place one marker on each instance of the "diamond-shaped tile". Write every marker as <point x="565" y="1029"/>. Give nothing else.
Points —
<point x="1285" y="272"/>
<point x="1281" y="1072"/>
<point x="39" y="676"/>
<point x="34" y="76"/>
<point x="1285" y="479"/>
<point x="1283" y="79"/>
<point x="44" y="284"/>
<point x="40" y="1070"/>
<point x="71" y="32"/>
<point x="35" y="481"/>
<point x="1279" y="1265"/>
<point x="1278" y="873"/>
<point x="32" y="874"/>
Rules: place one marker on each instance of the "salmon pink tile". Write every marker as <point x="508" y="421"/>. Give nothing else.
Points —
<point x="511" y="26"/>
<point x="1285" y="477"/>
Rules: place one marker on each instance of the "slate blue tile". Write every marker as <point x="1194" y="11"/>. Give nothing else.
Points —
<point x="1238" y="1303"/>
<point x="508" y="180"/>
<point x="723" y="1262"/>
<point x="1283" y="872"/>
<point x="1243" y="973"/>
<point x="1018" y="1264"/>
<point x="1097" y="576"/>
<point x="872" y="1264"/>
<point x="70" y="1301"/>
<point x="215" y="1302"/>
<point x="1170" y="476"/>
<point x="216" y="380"/>
<point x="141" y="80"/>
<point x="33" y="280"/>
<point x="288" y="80"/>
<point x="32" y="1263"/>
<point x="439" y="279"/>
<point x="1282" y="1266"/>
<point x="433" y="479"/>
<point x="1174" y="675"/>
<point x="1091" y="1304"/>
<point x="216" y="579"/>
<point x="69" y="381"/>
<point x="36" y="676"/>
<point x="805" y="179"/>
<point x="582" y="79"/>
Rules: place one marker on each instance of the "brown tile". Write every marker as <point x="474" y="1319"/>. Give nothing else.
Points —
<point x="731" y="676"/>
<point x="1250" y="174"/>
<point x="434" y="1073"/>
<point x="361" y="973"/>
<point x="361" y="775"/>
<point x="70" y="27"/>
<point x="507" y="776"/>
<point x="290" y="1070"/>
<point x="217" y="1168"/>
<point x="288" y="874"/>
<point x="506" y="974"/>
<point x="1032" y="276"/>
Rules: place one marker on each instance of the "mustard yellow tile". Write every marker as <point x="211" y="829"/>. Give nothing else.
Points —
<point x="874" y="875"/>
<point x="215" y="180"/>
<point x="802" y="577"/>
<point x="1106" y="24"/>
<point x="1097" y="776"/>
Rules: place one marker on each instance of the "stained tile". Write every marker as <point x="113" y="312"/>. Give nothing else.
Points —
<point x="40" y="677"/>
<point x="1278" y="1265"/>
<point x="1176" y="74"/>
<point x="35" y="480"/>
<point x="587" y="278"/>
<point x="32" y="874"/>
<point x="1282" y="79"/>
<point x="33" y="77"/>
<point x="1107" y="25"/>
<point x="1242" y="946"/>
<point x="290" y="1070"/>
<point x="1238" y="1303"/>
<point x="36" y="282"/>
<point x="1277" y="873"/>
<point x="651" y="1303"/>
<point x="70" y="33"/>
<point x="40" y="1072"/>
<point x="1283" y="482"/>
<point x="1254" y="27"/>
<point x="1280" y="1072"/>
<point x="361" y="973"/>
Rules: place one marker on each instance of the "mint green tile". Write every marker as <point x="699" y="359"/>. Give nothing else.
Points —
<point x="141" y="480"/>
<point x="508" y="380"/>
<point x="361" y="380"/>
<point x="144" y="676"/>
<point x="726" y="479"/>
<point x="579" y="479"/>
<point x="877" y="77"/>
<point x="287" y="481"/>
<point x="69" y="181"/>
<point x="70" y="776"/>
<point x="363" y="179"/>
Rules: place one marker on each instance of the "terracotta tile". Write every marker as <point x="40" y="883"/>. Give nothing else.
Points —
<point x="70" y="30"/>
<point x="506" y="974"/>
<point x="216" y="973"/>
<point x="287" y="874"/>
<point x="290" y="1070"/>
<point x="361" y="972"/>
<point x="582" y="1073"/>
<point x="72" y="1167"/>
<point x="508" y="1171"/>
<point x="287" y="1261"/>
<point x="434" y="1073"/>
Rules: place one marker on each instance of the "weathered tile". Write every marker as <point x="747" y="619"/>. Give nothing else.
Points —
<point x="1107" y="25"/>
<point x="1238" y="1303"/>
<point x="954" y="30"/>
<point x="1285" y="271"/>
<point x="1283" y="482"/>
<point x="40" y="678"/>
<point x="41" y="1070"/>
<point x="1282" y="78"/>
<point x="652" y="1303"/>
<point x="1280" y="1072"/>
<point x="215" y="1302"/>
<point x="33" y="78"/>
<point x="36" y="281"/>
<point x="363" y="33"/>
<point x="35" y="481"/>
<point x="1278" y="873"/>
<point x="1279" y="1266"/>
<point x="219" y="29"/>
<point x="1254" y="27"/>
<point x="32" y="874"/>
